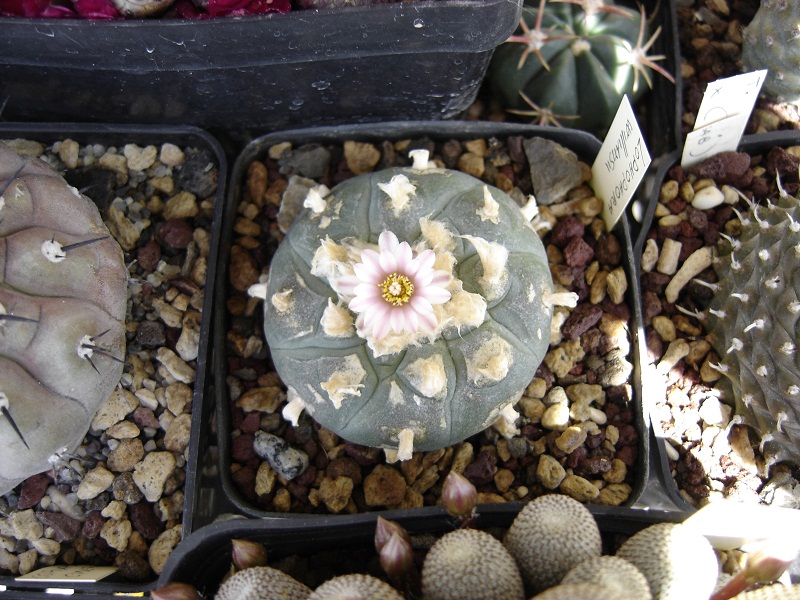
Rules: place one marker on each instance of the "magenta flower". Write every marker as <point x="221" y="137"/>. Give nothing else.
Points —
<point x="394" y="290"/>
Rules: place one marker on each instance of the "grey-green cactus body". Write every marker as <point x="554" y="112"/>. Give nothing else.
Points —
<point x="754" y="321"/>
<point x="492" y="334"/>
<point x="62" y="335"/>
<point x="772" y="41"/>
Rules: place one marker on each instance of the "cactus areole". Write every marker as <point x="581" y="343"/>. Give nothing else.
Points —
<point x="63" y="295"/>
<point x="408" y="308"/>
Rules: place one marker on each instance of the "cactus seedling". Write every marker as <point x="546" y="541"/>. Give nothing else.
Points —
<point x="63" y="294"/>
<point x="409" y="308"/>
<point x="575" y="60"/>
<point x="772" y="41"/>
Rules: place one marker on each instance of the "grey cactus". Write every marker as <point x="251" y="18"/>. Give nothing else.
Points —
<point x="772" y="41"/>
<point x="424" y="339"/>
<point x="63" y="294"/>
<point x="754" y="322"/>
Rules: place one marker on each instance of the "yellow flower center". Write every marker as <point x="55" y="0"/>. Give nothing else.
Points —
<point x="396" y="289"/>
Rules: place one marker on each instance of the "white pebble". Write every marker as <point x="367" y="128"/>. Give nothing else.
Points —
<point x="708" y="197"/>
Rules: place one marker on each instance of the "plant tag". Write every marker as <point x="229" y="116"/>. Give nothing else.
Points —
<point x="722" y="116"/>
<point x="621" y="164"/>
<point x="69" y="574"/>
<point x="729" y="525"/>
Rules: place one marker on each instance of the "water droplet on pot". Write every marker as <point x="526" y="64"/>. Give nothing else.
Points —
<point x="419" y="23"/>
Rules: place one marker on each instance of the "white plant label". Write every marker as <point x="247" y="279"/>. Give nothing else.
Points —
<point x="621" y="164"/>
<point x="722" y="117"/>
<point x="69" y="574"/>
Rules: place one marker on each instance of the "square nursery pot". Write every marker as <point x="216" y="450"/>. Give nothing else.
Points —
<point x="679" y="390"/>
<point x="242" y="362"/>
<point x="314" y="550"/>
<point x="165" y="387"/>
<point x="421" y="60"/>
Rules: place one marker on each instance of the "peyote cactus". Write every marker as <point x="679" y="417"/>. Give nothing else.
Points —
<point x="574" y="61"/>
<point x="409" y="308"/>
<point x="754" y="321"/>
<point x="63" y="295"/>
<point x="771" y="41"/>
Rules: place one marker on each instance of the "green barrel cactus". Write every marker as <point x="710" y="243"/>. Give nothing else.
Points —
<point x="408" y="308"/>
<point x="771" y="41"/>
<point x="754" y="324"/>
<point x="574" y="62"/>
<point x="63" y="296"/>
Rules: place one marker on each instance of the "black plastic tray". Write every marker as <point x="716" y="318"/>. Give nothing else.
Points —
<point x="205" y="556"/>
<point x="201" y="398"/>
<point x="421" y="60"/>
<point x="218" y="486"/>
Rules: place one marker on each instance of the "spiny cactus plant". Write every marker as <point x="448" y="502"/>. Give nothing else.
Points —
<point x="63" y="294"/>
<point x="754" y="320"/>
<point x="574" y="61"/>
<point x="408" y="308"/>
<point x="771" y="41"/>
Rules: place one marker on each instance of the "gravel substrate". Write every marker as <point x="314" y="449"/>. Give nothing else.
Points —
<point x="559" y="447"/>
<point x="119" y="498"/>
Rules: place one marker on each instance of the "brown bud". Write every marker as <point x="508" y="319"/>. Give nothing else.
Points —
<point x="384" y="529"/>
<point x="396" y="556"/>
<point x="247" y="554"/>
<point x="459" y="496"/>
<point x="176" y="591"/>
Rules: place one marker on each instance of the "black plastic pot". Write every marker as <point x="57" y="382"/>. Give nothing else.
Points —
<point x="647" y="492"/>
<point x="205" y="556"/>
<point x="421" y="60"/>
<point x="751" y="144"/>
<point x="118" y="135"/>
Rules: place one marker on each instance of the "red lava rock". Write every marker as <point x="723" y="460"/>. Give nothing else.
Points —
<point x="148" y="255"/>
<point x="176" y="233"/>
<point x="93" y="524"/>
<point x="65" y="527"/>
<point x="781" y="162"/>
<point x="144" y="520"/>
<point x="344" y="466"/>
<point x="688" y="246"/>
<point x="628" y="436"/>
<point x="245" y="479"/>
<point x="482" y="470"/>
<point x="33" y="490"/>
<point x="676" y="206"/>
<point x="593" y="465"/>
<point x="133" y="566"/>
<point x="242" y="447"/>
<point x="566" y="229"/>
<point x="251" y="423"/>
<point x="364" y="456"/>
<point x="724" y="168"/>
<point x="628" y="454"/>
<point x="577" y="253"/>
<point x="576" y="457"/>
<point x="145" y="417"/>
<point x="581" y="319"/>
<point x="608" y="251"/>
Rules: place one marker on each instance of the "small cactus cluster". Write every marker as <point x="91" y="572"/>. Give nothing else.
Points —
<point x="754" y="321"/>
<point x="408" y="308"/>
<point x="772" y="41"/>
<point x="551" y="551"/>
<point x="573" y="62"/>
<point x="63" y="296"/>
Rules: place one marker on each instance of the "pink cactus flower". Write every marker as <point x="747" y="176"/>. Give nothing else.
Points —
<point x="394" y="290"/>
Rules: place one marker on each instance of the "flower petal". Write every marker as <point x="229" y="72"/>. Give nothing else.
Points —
<point x="369" y="270"/>
<point x="405" y="258"/>
<point x="388" y="262"/>
<point x="381" y="328"/>
<point x="412" y="318"/>
<point x="388" y="242"/>
<point x="346" y="284"/>
<point x="435" y="294"/>
<point x="397" y="320"/>
<point x="424" y="261"/>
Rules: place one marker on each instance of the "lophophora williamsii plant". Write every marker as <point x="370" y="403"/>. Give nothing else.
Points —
<point x="409" y="308"/>
<point x="570" y="62"/>
<point x="771" y="41"/>
<point x="553" y="550"/>
<point x="63" y="296"/>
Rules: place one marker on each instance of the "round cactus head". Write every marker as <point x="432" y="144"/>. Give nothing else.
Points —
<point x="771" y="42"/>
<point x="573" y="62"/>
<point x="63" y="295"/>
<point x="408" y="308"/>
